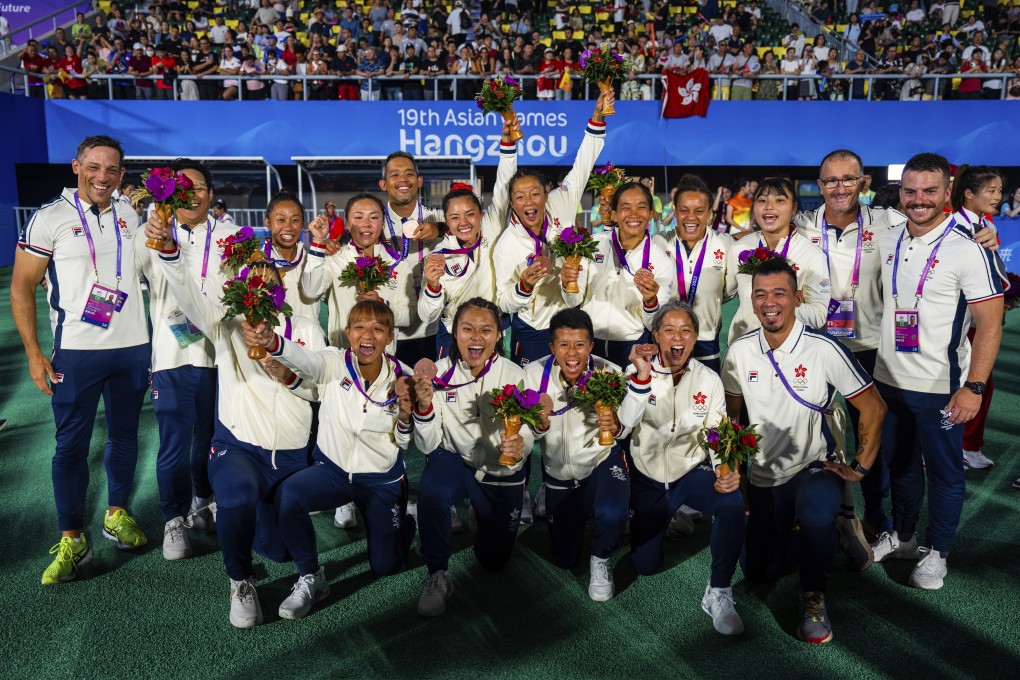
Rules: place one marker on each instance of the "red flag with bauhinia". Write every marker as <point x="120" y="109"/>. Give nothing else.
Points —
<point x="685" y="96"/>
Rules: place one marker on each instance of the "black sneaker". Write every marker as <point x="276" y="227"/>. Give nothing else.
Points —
<point x="814" y="620"/>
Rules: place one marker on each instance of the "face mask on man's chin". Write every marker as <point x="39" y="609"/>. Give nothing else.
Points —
<point x="150" y="53"/>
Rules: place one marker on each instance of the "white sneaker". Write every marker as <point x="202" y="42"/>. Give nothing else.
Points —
<point x="308" y="590"/>
<point x="438" y="589"/>
<point x="889" y="545"/>
<point x="345" y="517"/>
<point x="202" y="514"/>
<point x="681" y="525"/>
<point x="930" y="571"/>
<point x="527" y="516"/>
<point x="540" y="502"/>
<point x="456" y="525"/>
<point x="176" y="542"/>
<point x="601" y="587"/>
<point x="977" y="460"/>
<point x="472" y="520"/>
<point x="245" y="610"/>
<point x="718" y="603"/>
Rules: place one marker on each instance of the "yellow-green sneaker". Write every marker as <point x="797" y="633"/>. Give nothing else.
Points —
<point x="123" y="529"/>
<point x="70" y="556"/>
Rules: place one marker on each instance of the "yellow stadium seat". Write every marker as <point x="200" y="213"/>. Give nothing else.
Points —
<point x="546" y="41"/>
<point x="559" y="35"/>
<point x="690" y="10"/>
<point x="193" y="4"/>
<point x="608" y="29"/>
<point x="602" y="16"/>
<point x="506" y="28"/>
<point x="301" y="37"/>
<point x="335" y="28"/>
<point x="218" y="10"/>
<point x="676" y="9"/>
<point x="840" y="28"/>
<point x="585" y="9"/>
<point x="105" y="5"/>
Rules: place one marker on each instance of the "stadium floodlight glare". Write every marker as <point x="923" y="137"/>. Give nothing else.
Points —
<point x="896" y="172"/>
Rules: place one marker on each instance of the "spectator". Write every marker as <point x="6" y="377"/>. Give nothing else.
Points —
<point x="720" y="30"/>
<point x="569" y="64"/>
<point x="96" y="88"/>
<point x="569" y="42"/>
<point x="280" y="89"/>
<point x="549" y="70"/>
<point x="33" y="62"/>
<point x="912" y="89"/>
<point x="677" y="61"/>
<point x="970" y="88"/>
<point x="791" y="65"/>
<point x="820" y="49"/>
<point x="464" y="67"/>
<point x="527" y="64"/>
<point x="795" y="39"/>
<point x="351" y="22"/>
<point x="992" y="87"/>
<point x="915" y="15"/>
<point x="229" y="66"/>
<point x="747" y="65"/>
<point x="117" y="64"/>
<point x="768" y="88"/>
<point x="409" y="67"/>
<point x="977" y="47"/>
<point x="432" y="67"/>
<point x="889" y="89"/>
<point x="140" y="66"/>
<point x="205" y="64"/>
<point x="218" y="32"/>
<point x="412" y="40"/>
<point x="266" y="14"/>
<point x="188" y="86"/>
<point x="973" y="24"/>
<point x="1013" y="86"/>
<point x="721" y="63"/>
<point x="633" y="67"/>
<point x="378" y="16"/>
<point x="164" y="65"/>
<point x="852" y="32"/>
<point x="316" y="65"/>
<point x="81" y="32"/>
<point x="486" y="63"/>
<point x="343" y="64"/>
<point x="370" y="66"/>
<point x="71" y="68"/>
<point x="458" y="22"/>
<point x="808" y="71"/>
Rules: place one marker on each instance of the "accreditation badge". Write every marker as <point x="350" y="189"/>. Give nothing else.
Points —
<point x="184" y="331"/>
<point x="908" y="330"/>
<point x="101" y="305"/>
<point x="841" y="321"/>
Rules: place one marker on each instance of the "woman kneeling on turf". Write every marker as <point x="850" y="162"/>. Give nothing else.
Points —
<point x="365" y="421"/>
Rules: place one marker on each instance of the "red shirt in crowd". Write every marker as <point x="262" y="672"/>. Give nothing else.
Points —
<point x="72" y="66"/>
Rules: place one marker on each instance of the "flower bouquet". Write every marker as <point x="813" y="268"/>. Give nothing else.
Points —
<point x="169" y="191"/>
<point x="239" y="250"/>
<point x="572" y="244"/>
<point x="499" y="95"/>
<point x="603" y="391"/>
<point x="515" y="405"/>
<point x="367" y="273"/>
<point x="750" y="260"/>
<point x="601" y="68"/>
<point x="259" y="297"/>
<point x="731" y="442"/>
<point x="606" y="180"/>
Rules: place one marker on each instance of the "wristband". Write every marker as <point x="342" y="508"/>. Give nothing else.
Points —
<point x="859" y="469"/>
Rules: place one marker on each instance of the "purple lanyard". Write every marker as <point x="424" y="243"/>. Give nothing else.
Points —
<point x="288" y="328"/>
<point x="539" y="240"/>
<point x="461" y="251"/>
<point x="267" y="249"/>
<point x="681" y="371"/>
<point x="393" y="236"/>
<point x="88" y="236"/>
<point x="443" y="383"/>
<point x="927" y="265"/>
<point x="681" y="266"/>
<point x="621" y="254"/>
<point x="855" y="277"/>
<point x="357" y="382"/>
<point x="547" y="373"/>
<point x="796" y="397"/>
<point x="208" y="245"/>
<point x="786" y="246"/>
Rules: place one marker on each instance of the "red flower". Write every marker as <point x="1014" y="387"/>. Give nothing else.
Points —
<point x="249" y="300"/>
<point x="255" y="281"/>
<point x="749" y="441"/>
<point x="508" y="390"/>
<point x="762" y="254"/>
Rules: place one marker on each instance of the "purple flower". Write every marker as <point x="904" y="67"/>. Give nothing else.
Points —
<point x="585" y="56"/>
<point x="604" y="170"/>
<point x="242" y="275"/>
<point x="571" y="236"/>
<point x="527" y="399"/>
<point x="509" y="81"/>
<point x="583" y="380"/>
<point x="713" y="437"/>
<point x="481" y="104"/>
<point x="161" y="188"/>
<point x="364" y="262"/>
<point x="243" y="234"/>
<point x="745" y="255"/>
<point x="617" y="57"/>
<point x="279" y="294"/>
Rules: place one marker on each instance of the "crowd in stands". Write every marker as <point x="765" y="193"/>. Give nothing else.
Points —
<point x="385" y="49"/>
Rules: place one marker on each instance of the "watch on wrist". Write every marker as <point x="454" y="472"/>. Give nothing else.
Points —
<point x="976" y="386"/>
<point x="858" y="468"/>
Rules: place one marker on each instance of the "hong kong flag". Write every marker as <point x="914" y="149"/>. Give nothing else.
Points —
<point x="686" y="96"/>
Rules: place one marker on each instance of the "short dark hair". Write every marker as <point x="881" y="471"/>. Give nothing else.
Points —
<point x="478" y="303"/>
<point x="526" y="172"/>
<point x="676" y="306"/>
<point x="692" y="184"/>
<point x="398" y="154"/>
<point x="96" y="141"/>
<point x="460" y="192"/>
<point x="841" y="154"/>
<point x="929" y="162"/>
<point x="572" y="318"/>
<point x="627" y="187"/>
<point x="364" y="197"/>
<point x="781" y="185"/>
<point x="776" y="265"/>
<point x="191" y="164"/>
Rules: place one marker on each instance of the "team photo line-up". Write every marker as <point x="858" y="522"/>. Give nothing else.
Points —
<point x="264" y="419"/>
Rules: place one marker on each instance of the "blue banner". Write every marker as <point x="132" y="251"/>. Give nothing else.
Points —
<point x="733" y="134"/>
<point x="1009" y="239"/>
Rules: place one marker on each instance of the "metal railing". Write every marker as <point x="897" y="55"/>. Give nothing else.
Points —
<point x="934" y="85"/>
<point x="51" y="21"/>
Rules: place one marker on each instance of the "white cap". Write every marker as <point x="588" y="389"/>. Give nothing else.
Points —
<point x="138" y="46"/>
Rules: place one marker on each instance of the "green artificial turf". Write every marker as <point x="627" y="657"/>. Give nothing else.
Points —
<point x="135" y="615"/>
